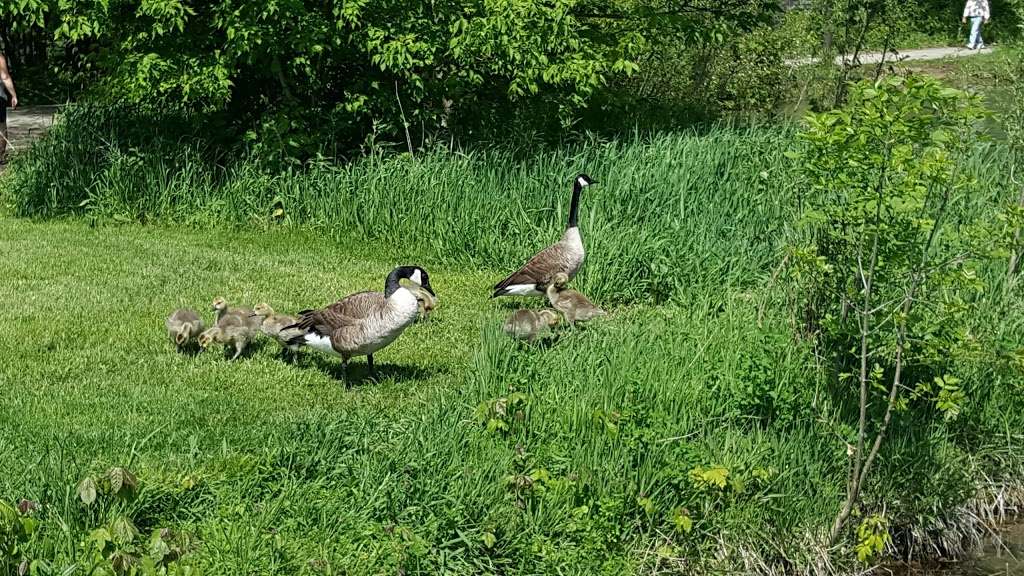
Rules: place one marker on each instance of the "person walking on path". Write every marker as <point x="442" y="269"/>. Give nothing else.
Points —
<point x="978" y="12"/>
<point x="8" y="97"/>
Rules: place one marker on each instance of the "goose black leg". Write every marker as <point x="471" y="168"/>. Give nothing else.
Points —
<point x="369" y="365"/>
<point x="344" y="373"/>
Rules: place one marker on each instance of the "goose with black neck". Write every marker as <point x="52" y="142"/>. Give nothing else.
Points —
<point x="565" y="256"/>
<point x="365" y="322"/>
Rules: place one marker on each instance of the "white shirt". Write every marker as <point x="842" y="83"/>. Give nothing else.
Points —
<point x="976" y="8"/>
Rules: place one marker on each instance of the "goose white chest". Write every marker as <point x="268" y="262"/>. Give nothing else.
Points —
<point x="400" y="312"/>
<point x="574" y="251"/>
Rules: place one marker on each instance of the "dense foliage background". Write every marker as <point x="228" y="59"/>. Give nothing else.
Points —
<point x="294" y="78"/>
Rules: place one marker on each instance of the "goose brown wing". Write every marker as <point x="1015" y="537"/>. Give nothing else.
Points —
<point x="539" y="269"/>
<point x="357" y="306"/>
<point x="346" y="312"/>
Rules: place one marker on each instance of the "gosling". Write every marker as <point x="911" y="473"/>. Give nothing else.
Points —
<point x="531" y="325"/>
<point x="276" y="327"/>
<point x="573" y="305"/>
<point x="224" y="313"/>
<point x="426" y="302"/>
<point x="237" y="336"/>
<point x="183" y="325"/>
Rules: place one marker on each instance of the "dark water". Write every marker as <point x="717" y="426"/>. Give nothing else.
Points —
<point x="997" y="558"/>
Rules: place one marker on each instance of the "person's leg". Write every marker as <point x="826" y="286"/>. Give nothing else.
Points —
<point x="975" y="32"/>
<point x="3" y="130"/>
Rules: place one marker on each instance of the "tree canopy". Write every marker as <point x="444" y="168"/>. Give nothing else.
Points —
<point x="367" y="66"/>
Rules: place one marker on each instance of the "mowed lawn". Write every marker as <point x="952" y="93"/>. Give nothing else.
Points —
<point x="86" y="362"/>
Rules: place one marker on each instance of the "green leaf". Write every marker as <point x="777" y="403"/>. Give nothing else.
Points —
<point x="100" y="536"/>
<point x="489" y="539"/>
<point x="683" y="522"/>
<point x="646" y="504"/>
<point x="123" y="530"/>
<point x="87" y="490"/>
<point x="122" y="482"/>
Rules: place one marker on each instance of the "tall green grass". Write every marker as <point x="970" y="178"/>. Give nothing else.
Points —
<point x="673" y="213"/>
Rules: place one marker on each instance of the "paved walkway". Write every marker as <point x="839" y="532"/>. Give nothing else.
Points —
<point x="900" y="56"/>
<point x="28" y="123"/>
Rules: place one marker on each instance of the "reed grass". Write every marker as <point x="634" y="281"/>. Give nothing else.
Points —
<point x="673" y="213"/>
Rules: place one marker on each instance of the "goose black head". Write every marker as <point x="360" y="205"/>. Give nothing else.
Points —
<point x="414" y="274"/>
<point x="582" y="181"/>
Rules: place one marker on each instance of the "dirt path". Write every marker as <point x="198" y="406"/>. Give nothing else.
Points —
<point x="899" y="56"/>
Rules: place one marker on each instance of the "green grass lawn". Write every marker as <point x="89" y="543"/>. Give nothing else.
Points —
<point x="676" y="438"/>
<point x="280" y="468"/>
<point x="92" y="366"/>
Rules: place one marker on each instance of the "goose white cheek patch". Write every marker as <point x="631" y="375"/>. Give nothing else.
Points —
<point x="417" y="277"/>
<point x="582" y="182"/>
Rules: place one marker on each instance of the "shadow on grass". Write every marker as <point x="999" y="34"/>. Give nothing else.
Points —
<point x="254" y="347"/>
<point x="191" y="350"/>
<point x="357" y="373"/>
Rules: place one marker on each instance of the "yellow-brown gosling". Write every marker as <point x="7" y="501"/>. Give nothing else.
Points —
<point x="237" y="336"/>
<point x="531" y="325"/>
<point x="276" y="326"/>
<point x="225" y="313"/>
<point x="183" y="325"/>
<point x="426" y="302"/>
<point x="573" y="305"/>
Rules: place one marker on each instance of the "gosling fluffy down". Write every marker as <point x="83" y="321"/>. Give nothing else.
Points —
<point x="236" y="336"/>
<point x="276" y="326"/>
<point x="530" y="325"/>
<point x="425" y="301"/>
<point x="183" y="325"/>
<point x="573" y="305"/>
<point x="234" y="315"/>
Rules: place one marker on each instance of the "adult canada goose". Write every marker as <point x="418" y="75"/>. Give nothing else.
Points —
<point x="530" y="325"/>
<point x="275" y="326"/>
<point x="573" y="305"/>
<point x="236" y="334"/>
<point x="365" y="322"/>
<point x="183" y="325"/>
<point x="566" y="255"/>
